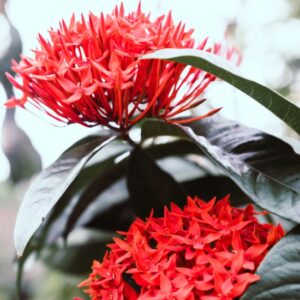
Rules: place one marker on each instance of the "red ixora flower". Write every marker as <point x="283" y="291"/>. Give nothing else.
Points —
<point x="89" y="71"/>
<point x="207" y="251"/>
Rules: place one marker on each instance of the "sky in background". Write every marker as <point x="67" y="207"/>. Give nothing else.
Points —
<point x="262" y="45"/>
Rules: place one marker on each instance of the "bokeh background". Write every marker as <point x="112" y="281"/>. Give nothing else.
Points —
<point x="267" y="34"/>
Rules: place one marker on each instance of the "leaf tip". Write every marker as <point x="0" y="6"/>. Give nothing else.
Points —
<point x="19" y="255"/>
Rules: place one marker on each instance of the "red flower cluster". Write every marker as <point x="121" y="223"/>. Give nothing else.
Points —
<point x="207" y="251"/>
<point x="90" y="73"/>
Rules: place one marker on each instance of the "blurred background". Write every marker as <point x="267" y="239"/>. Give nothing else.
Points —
<point x="266" y="32"/>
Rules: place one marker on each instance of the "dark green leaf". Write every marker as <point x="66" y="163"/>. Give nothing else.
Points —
<point x="55" y="223"/>
<point x="102" y="158"/>
<point x="279" y="271"/>
<point x="208" y="187"/>
<point x="181" y="169"/>
<point x="156" y="127"/>
<point x="102" y="199"/>
<point x="96" y="187"/>
<point x="70" y="258"/>
<point x="264" y="167"/>
<point x="121" y="212"/>
<point x="173" y="148"/>
<point x="149" y="186"/>
<point x="96" y="207"/>
<point x="216" y="65"/>
<point x="103" y="192"/>
<point x="113" y="203"/>
<point x="98" y="193"/>
<point x="51" y="184"/>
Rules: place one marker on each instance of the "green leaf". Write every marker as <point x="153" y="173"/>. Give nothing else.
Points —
<point x="79" y="193"/>
<point x="98" y="193"/>
<point x="90" y="194"/>
<point x="97" y="206"/>
<point x="120" y="210"/>
<point x="149" y="186"/>
<point x="69" y="259"/>
<point x="208" y="187"/>
<point x="104" y="190"/>
<point x="264" y="167"/>
<point x="174" y="148"/>
<point x="101" y="206"/>
<point x="114" y="202"/>
<point x="218" y="66"/>
<point x="52" y="228"/>
<point x="279" y="271"/>
<point x="51" y="184"/>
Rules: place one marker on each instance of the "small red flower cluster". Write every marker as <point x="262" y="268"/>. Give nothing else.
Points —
<point x="90" y="72"/>
<point x="207" y="251"/>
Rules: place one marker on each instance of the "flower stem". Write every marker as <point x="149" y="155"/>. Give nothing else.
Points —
<point x="128" y="139"/>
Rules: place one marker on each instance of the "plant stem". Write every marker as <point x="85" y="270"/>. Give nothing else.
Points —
<point x="124" y="135"/>
<point x="128" y="139"/>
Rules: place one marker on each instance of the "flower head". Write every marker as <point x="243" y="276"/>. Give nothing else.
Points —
<point x="89" y="71"/>
<point x="206" y="251"/>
